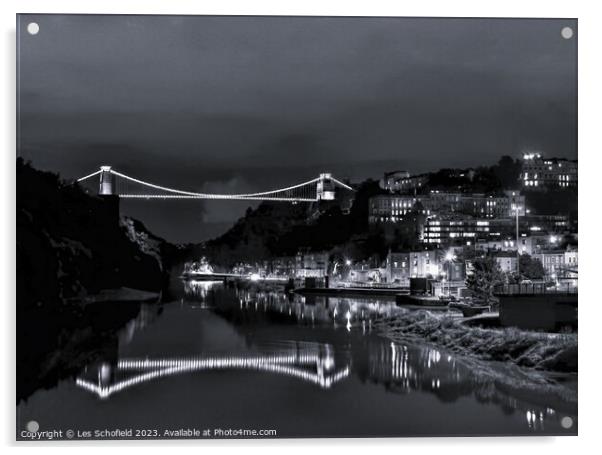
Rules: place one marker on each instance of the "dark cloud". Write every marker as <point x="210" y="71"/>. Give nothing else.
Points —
<point x="248" y="102"/>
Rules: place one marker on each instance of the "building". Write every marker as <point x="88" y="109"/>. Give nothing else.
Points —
<point x="312" y="264"/>
<point x="453" y="270"/>
<point x="571" y="260"/>
<point x="507" y="261"/>
<point x="544" y="224"/>
<point x="364" y="271"/>
<point x="506" y="244"/>
<point x="401" y="266"/>
<point x="402" y="182"/>
<point x="535" y="244"/>
<point x="450" y="288"/>
<point x="559" y="263"/>
<point x="553" y="262"/>
<point x="283" y="266"/>
<point x="535" y="231"/>
<point x="465" y="230"/>
<point x="527" y="244"/>
<point x="545" y="173"/>
<point x="425" y="263"/>
<point x="397" y="268"/>
<point x="393" y="208"/>
<point x="477" y="204"/>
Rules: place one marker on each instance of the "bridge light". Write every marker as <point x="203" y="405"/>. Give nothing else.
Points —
<point x="302" y="192"/>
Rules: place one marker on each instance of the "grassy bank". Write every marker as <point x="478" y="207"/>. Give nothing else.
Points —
<point x="550" y="352"/>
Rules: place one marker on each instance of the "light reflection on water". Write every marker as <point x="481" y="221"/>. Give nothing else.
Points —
<point x="401" y="368"/>
<point x="310" y="362"/>
<point x="310" y="346"/>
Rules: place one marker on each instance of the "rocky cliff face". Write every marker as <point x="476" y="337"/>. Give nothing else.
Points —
<point x="71" y="244"/>
<point x="70" y="247"/>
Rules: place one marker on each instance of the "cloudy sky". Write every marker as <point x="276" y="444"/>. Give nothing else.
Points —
<point x="231" y="104"/>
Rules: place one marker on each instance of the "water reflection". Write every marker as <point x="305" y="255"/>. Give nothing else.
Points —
<point x="339" y="311"/>
<point x="326" y="342"/>
<point x="406" y="369"/>
<point x="199" y="289"/>
<point x="310" y="362"/>
<point x="146" y="316"/>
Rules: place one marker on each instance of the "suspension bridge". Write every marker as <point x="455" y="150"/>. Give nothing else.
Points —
<point x="112" y="182"/>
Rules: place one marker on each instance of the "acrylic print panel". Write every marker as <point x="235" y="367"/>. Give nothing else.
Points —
<point x="272" y="227"/>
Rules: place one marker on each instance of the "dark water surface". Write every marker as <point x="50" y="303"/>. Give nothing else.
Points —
<point x="244" y="359"/>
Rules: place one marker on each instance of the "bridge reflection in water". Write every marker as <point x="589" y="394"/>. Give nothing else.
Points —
<point x="346" y="352"/>
<point x="309" y="362"/>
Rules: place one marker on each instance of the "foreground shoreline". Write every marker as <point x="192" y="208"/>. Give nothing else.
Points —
<point x="535" y="363"/>
<point x="538" y="350"/>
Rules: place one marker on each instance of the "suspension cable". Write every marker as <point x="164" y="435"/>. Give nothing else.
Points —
<point x="90" y="175"/>
<point x="207" y="195"/>
<point x="347" y="187"/>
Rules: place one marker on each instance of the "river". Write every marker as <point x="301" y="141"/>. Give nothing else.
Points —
<point x="218" y="359"/>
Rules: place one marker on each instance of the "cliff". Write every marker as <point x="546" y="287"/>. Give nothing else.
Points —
<point x="71" y="244"/>
<point x="73" y="249"/>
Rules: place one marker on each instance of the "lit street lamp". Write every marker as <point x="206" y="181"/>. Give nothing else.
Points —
<point x="449" y="258"/>
<point x="517" y="209"/>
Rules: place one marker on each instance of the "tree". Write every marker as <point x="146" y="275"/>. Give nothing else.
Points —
<point x="531" y="268"/>
<point x="507" y="170"/>
<point x="486" y="275"/>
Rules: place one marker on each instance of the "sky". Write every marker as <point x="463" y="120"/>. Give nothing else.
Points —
<point x="243" y="104"/>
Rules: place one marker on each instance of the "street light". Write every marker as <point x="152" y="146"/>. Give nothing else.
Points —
<point x="516" y="209"/>
<point x="449" y="258"/>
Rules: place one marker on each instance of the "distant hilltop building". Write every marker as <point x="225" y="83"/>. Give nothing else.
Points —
<point x="450" y="229"/>
<point x="543" y="173"/>
<point x="392" y="208"/>
<point x="402" y="182"/>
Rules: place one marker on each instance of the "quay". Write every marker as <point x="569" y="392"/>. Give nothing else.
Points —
<point x="218" y="276"/>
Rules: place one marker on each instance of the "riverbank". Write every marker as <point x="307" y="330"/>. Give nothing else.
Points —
<point x="541" y="351"/>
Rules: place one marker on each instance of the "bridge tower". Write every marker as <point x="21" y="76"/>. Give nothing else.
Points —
<point x="106" y="181"/>
<point x="325" y="188"/>
<point x="106" y="191"/>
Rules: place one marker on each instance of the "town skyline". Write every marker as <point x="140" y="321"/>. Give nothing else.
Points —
<point x="132" y="208"/>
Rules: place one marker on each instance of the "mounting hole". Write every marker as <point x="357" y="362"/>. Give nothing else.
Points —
<point x="566" y="32"/>
<point x="33" y="28"/>
<point x="566" y="422"/>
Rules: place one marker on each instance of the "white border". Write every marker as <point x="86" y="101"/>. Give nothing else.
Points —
<point x="590" y="77"/>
